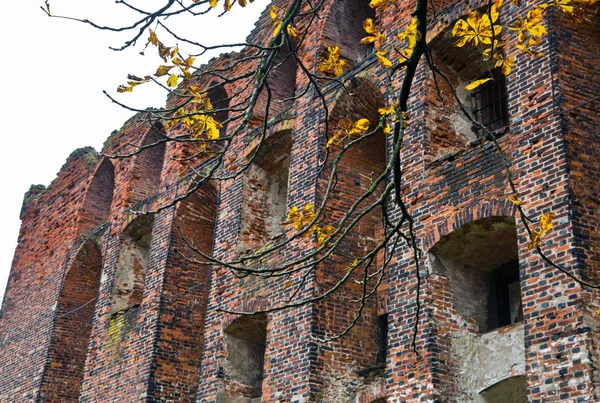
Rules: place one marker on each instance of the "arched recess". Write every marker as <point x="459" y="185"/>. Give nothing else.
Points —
<point x="245" y="340"/>
<point x="362" y="163"/>
<point x="147" y="165"/>
<point x="219" y="100"/>
<point x="132" y="264"/>
<point x="73" y="324"/>
<point x="264" y="196"/>
<point x="448" y="128"/>
<point x="343" y="27"/>
<point x="95" y="209"/>
<point x="183" y="307"/>
<point x="512" y="390"/>
<point x="365" y="348"/>
<point x="479" y="263"/>
<point x="282" y="84"/>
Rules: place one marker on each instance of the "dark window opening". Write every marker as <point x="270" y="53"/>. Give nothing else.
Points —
<point x="491" y="103"/>
<point x="382" y="336"/>
<point x="504" y="306"/>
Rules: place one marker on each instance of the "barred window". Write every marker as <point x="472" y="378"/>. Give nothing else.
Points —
<point x="491" y="106"/>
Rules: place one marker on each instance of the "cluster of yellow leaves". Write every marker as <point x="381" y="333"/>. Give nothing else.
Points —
<point x="199" y="118"/>
<point x="331" y="62"/>
<point x="373" y="35"/>
<point x="389" y="112"/>
<point x="545" y="225"/>
<point x="483" y="30"/>
<point x="227" y="4"/>
<point x="530" y="30"/>
<point x="410" y="36"/>
<point x="171" y="54"/>
<point x="348" y="128"/>
<point x="476" y="28"/>
<point x="277" y="22"/>
<point x="302" y="218"/>
<point x="537" y="234"/>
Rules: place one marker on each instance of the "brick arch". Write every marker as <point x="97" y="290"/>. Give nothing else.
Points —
<point x="95" y="209"/>
<point x="176" y="366"/>
<point x="467" y="215"/>
<point x="251" y="304"/>
<point x="343" y="26"/>
<point x="73" y="325"/>
<point x="147" y="165"/>
<point x="265" y="190"/>
<point x="361" y="100"/>
<point x="445" y="18"/>
<point x="282" y="83"/>
<point x="219" y="99"/>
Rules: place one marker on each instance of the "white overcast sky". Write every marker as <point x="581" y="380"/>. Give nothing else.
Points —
<point x="53" y="73"/>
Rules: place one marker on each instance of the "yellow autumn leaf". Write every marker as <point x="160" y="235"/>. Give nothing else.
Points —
<point x="213" y="3"/>
<point x="323" y="233"/>
<point x="212" y="128"/>
<point x="515" y="199"/>
<point x="546" y="222"/>
<point x="476" y="29"/>
<point x="330" y="61"/>
<point x="273" y="12"/>
<point x="387" y="129"/>
<point x="505" y="64"/>
<point x="242" y="3"/>
<point x="277" y="26"/>
<point x="477" y="83"/>
<point x="374" y="36"/>
<point x="361" y="126"/>
<point x="227" y="5"/>
<point x="172" y="81"/>
<point x="291" y="30"/>
<point x="153" y="39"/>
<point x="383" y="61"/>
<point x="382" y="5"/>
<point x="390" y="110"/>
<point x="536" y="240"/>
<point x="163" y="70"/>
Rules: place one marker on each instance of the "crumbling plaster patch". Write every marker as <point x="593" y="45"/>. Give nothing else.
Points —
<point x="484" y="360"/>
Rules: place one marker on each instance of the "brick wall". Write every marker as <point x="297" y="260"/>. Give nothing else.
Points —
<point x="171" y="340"/>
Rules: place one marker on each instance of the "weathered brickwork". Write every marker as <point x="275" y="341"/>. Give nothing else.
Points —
<point x="106" y="306"/>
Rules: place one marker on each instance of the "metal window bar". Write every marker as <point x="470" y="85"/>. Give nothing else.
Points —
<point x="491" y="103"/>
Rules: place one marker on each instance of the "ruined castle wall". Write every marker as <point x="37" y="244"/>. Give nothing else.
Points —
<point x="43" y="254"/>
<point x="156" y="327"/>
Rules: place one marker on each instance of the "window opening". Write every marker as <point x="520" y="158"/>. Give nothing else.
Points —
<point x="491" y="102"/>
<point x="246" y="339"/>
<point x="265" y="192"/>
<point x="480" y="262"/>
<point x="382" y="336"/>
<point x="504" y="306"/>
<point x="130" y="275"/>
